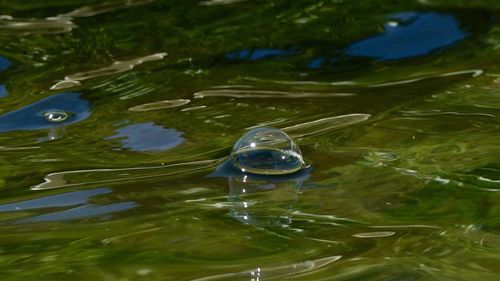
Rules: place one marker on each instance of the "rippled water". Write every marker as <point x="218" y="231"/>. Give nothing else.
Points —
<point x="117" y="118"/>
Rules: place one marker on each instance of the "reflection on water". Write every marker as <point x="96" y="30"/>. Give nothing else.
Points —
<point x="261" y="200"/>
<point x="410" y="34"/>
<point x="406" y="34"/>
<point x="75" y="79"/>
<point x="148" y="137"/>
<point x="78" y="200"/>
<point x="4" y="63"/>
<point x="316" y="62"/>
<point x="103" y="7"/>
<point x="80" y="212"/>
<point x="277" y="272"/>
<point x="60" y="200"/>
<point x="3" y="91"/>
<point x="35" y="25"/>
<point x="31" y="117"/>
<point x="259" y="54"/>
<point x="398" y="113"/>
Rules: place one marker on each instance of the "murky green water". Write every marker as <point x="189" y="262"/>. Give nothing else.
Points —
<point x="116" y="119"/>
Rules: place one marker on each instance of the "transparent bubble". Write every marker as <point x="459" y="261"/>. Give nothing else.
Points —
<point x="267" y="151"/>
<point x="55" y="115"/>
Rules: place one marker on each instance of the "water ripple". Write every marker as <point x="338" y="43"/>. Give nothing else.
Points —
<point x="99" y="176"/>
<point x="160" y="105"/>
<point x="80" y="212"/>
<point x="370" y="84"/>
<point x="105" y="7"/>
<point x="117" y="67"/>
<point x="63" y="23"/>
<point x="325" y="124"/>
<point x="415" y="33"/>
<point x="266" y="94"/>
<point x="439" y="112"/>
<point x="276" y="272"/>
<point x="219" y="2"/>
<point x="28" y="26"/>
<point x="377" y="234"/>
<point x="59" y="200"/>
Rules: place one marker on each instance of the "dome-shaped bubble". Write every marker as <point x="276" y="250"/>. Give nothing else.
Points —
<point x="55" y="115"/>
<point x="267" y="151"/>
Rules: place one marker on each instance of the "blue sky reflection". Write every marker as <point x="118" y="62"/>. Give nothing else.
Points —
<point x="410" y="34"/>
<point x="31" y="117"/>
<point x="148" y="137"/>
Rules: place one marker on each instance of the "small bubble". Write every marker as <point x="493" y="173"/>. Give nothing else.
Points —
<point x="55" y="115"/>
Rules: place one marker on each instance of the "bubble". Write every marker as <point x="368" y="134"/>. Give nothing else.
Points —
<point x="267" y="151"/>
<point x="55" y="115"/>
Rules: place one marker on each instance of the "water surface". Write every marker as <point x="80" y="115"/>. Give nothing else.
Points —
<point x="394" y="105"/>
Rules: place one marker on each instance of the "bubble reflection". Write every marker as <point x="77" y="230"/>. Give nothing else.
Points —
<point x="261" y="200"/>
<point x="262" y="203"/>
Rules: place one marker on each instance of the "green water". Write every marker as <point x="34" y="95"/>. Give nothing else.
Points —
<point x="395" y="104"/>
